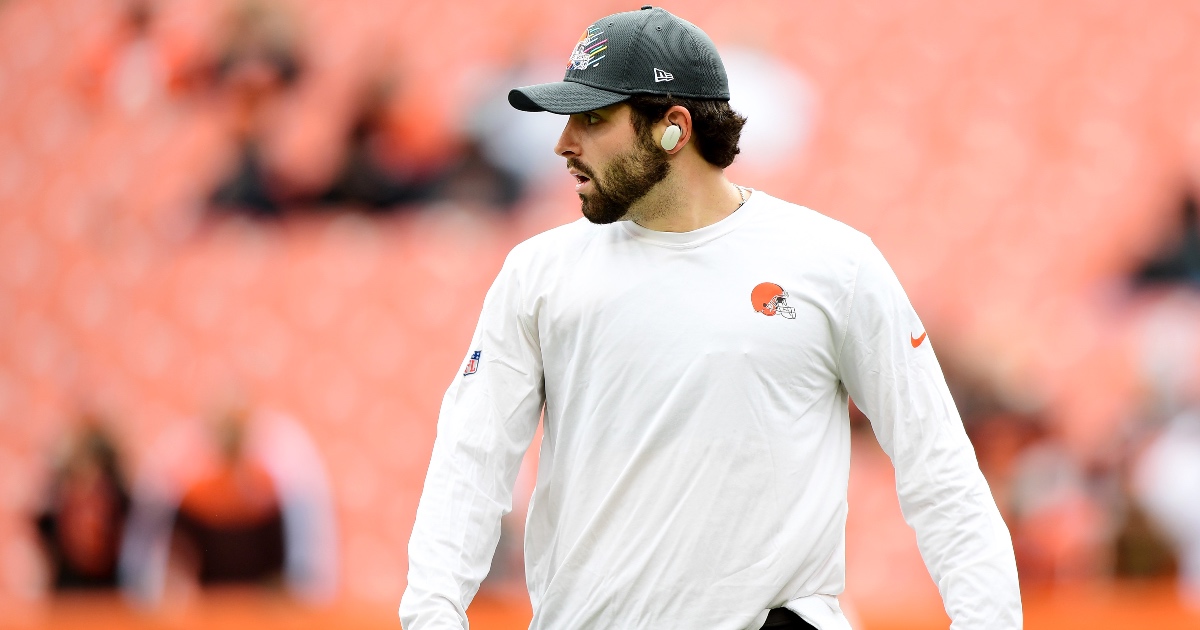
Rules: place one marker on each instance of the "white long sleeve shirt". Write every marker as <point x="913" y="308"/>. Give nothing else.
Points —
<point x="693" y="468"/>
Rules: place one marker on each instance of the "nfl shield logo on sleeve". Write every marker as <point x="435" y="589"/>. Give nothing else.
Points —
<point x="473" y="363"/>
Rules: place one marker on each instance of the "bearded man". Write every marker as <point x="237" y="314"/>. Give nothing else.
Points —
<point x="691" y="348"/>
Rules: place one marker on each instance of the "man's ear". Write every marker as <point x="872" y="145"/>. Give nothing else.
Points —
<point x="674" y="131"/>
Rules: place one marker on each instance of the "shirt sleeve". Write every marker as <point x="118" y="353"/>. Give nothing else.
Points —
<point x="487" y="420"/>
<point x="889" y="369"/>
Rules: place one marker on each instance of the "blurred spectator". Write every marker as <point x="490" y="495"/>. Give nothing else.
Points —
<point x="88" y="502"/>
<point x="1179" y="262"/>
<point x="246" y="501"/>
<point x="1061" y="520"/>
<point x="375" y="173"/>
<point x="128" y="67"/>
<point x="383" y="169"/>
<point x="1167" y="484"/>
<point x="1142" y="550"/>
<point x="474" y="179"/>
<point x="258" y="62"/>
<point x="260" y="36"/>
<point x="389" y="159"/>
<point x="230" y="518"/>
<point x="247" y="189"/>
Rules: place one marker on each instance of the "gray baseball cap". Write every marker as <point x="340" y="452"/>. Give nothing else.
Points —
<point x="649" y="51"/>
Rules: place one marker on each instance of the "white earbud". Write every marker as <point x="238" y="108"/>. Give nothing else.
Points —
<point x="671" y="137"/>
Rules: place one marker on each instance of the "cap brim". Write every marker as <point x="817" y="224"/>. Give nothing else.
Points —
<point x="563" y="97"/>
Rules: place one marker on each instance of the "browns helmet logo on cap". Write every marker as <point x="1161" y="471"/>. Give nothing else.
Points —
<point x="589" y="50"/>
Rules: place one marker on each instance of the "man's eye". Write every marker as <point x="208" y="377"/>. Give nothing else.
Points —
<point x="592" y="119"/>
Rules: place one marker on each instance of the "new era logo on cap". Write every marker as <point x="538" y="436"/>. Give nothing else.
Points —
<point x="662" y="75"/>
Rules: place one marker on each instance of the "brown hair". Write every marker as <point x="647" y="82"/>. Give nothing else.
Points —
<point x="716" y="128"/>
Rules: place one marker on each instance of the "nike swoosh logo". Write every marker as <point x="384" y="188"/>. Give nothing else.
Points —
<point x="916" y="341"/>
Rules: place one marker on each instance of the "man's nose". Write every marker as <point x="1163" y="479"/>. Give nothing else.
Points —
<point x="568" y="145"/>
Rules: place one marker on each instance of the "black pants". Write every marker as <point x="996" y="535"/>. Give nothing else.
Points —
<point x="784" y="619"/>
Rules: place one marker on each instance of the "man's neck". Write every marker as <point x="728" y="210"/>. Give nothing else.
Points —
<point x="687" y="201"/>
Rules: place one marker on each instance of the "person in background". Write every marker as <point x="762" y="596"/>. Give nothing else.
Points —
<point x="258" y="62"/>
<point x="1167" y="486"/>
<point x="230" y="520"/>
<point x="239" y="498"/>
<point x="87" y="503"/>
<point x="371" y="176"/>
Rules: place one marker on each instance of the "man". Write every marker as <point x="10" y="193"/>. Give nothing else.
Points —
<point x="693" y="345"/>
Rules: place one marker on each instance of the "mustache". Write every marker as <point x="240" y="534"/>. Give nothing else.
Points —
<point x="581" y="167"/>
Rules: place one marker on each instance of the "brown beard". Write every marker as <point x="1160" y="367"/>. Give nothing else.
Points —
<point x="626" y="180"/>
